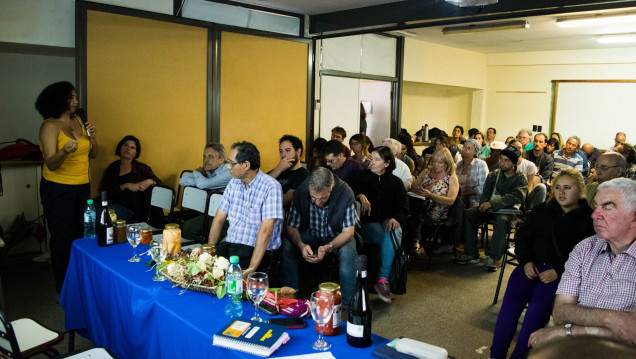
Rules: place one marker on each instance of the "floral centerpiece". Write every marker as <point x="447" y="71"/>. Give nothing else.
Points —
<point x="196" y="270"/>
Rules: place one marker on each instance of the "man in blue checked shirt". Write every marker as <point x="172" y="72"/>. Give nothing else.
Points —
<point x="253" y="205"/>
<point x="321" y="220"/>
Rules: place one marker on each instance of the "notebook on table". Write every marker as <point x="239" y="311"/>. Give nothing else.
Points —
<point x="256" y="338"/>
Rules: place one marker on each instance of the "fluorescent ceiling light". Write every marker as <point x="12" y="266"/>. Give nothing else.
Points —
<point x="505" y="25"/>
<point x="402" y="33"/>
<point x="616" y="38"/>
<point x="596" y="20"/>
<point x="466" y="3"/>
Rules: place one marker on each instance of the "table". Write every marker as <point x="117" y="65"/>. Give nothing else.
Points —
<point x="116" y="305"/>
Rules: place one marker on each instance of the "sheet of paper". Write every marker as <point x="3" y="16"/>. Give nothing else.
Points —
<point x="324" y="355"/>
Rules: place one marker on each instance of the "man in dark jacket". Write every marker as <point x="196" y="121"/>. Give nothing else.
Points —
<point x="504" y="192"/>
<point x="321" y="220"/>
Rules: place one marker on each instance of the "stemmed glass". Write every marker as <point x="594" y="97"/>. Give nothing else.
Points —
<point x="321" y="306"/>
<point x="134" y="237"/>
<point x="257" y="287"/>
<point x="158" y="254"/>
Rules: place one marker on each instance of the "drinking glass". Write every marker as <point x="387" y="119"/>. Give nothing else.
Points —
<point x="321" y="306"/>
<point x="134" y="237"/>
<point x="158" y="254"/>
<point x="257" y="287"/>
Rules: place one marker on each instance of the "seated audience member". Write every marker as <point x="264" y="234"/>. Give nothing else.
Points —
<point x="384" y="209"/>
<point x="597" y="295"/>
<point x="618" y="141"/>
<point x="321" y="220"/>
<point x="592" y="154"/>
<point x="214" y="174"/>
<point x="472" y="132"/>
<point x="471" y="173"/>
<point x="339" y="134"/>
<point x="458" y="136"/>
<point x="407" y="153"/>
<point x="491" y="133"/>
<point x="495" y="151"/>
<point x="341" y="166"/>
<point x="557" y="136"/>
<point x="536" y="190"/>
<point x="317" y="158"/>
<point x="401" y="170"/>
<point x="542" y="245"/>
<point x="443" y="142"/>
<point x="627" y="150"/>
<point x="584" y="347"/>
<point x="551" y="146"/>
<point x="289" y="172"/>
<point x="505" y="189"/>
<point x="538" y="156"/>
<point x="439" y="184"/>
<point x="360" y="146"/>
<point x="609" y="166"/>
<point x="568" y="157"/>
<point x="428" y="151"/>
<point x="253" y="205"/>
<point x="508" y="139"/>
<point x="484" y="152"/>
<point x="524" y="136"/>
<point x="128" y="182"/>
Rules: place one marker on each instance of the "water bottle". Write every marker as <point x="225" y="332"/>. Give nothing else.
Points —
<point x="90" y="217"/>
<point x="425" y="133"/>
<point x="234" y="288"/>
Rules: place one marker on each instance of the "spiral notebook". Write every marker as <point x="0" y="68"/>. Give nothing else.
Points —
<point x="256" y="338"/>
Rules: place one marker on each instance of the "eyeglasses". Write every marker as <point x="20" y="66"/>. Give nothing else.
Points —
<point x="603" y="167"/>
<point x="231" y="163"/>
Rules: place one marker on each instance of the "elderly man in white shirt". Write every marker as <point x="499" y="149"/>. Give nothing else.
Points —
<point x="401" y="169"/>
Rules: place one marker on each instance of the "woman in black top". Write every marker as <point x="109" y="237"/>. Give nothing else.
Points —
<point x="543" y="244"/>
<point x="384" y="208"/>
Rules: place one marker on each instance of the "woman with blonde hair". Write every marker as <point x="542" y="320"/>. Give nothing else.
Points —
<point x="437" y="183"/>
<point x="542" y="246"/>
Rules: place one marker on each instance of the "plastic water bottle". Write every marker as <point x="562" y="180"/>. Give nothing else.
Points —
<point x="90" y="217"/>
<point x="234" y="288"/>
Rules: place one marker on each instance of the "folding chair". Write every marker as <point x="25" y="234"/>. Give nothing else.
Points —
<point x="162" y="197"/>
<point x="195" y="199"/>
<point x="213" y="204"/>
<point x="181" y="188"/>
<point x="25" y="337"/>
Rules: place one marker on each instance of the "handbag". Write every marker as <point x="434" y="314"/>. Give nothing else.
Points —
<point x="20" y="149"/>
<point x="399" y="268"/>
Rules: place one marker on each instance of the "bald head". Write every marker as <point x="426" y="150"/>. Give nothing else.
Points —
<point x="620" y="138"/>
<point x="587" y="148"/>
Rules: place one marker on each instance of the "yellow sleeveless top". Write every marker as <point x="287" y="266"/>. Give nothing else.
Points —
<point x="74" y="169"/>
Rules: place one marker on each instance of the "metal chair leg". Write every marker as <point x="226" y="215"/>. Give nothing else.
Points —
<point x="501" y="273"/>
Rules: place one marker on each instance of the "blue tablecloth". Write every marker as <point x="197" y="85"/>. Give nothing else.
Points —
<point x="116" y="305"/>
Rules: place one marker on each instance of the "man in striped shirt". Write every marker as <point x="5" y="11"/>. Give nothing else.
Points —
<point x="597" y="292"/>
<point x="568" y="157"/>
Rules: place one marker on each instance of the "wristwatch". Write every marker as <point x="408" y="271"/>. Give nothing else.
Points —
<point x="568" y="329"/>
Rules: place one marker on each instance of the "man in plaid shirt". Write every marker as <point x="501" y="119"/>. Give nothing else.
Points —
<point x="253" y="205"/>
<point x="597" y="292"/>
<point x="321" y="220"/>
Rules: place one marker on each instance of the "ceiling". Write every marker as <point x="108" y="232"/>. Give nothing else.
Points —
<point x="543" y="34"/>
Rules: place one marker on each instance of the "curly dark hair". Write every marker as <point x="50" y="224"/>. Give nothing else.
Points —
<point x="54" y="99"/>
<point x="128" y="138"/>
<point x="295" y="142"/>
<point x="407" y="141"/>
<point x="333" y="147"/>
<point x="246" y="151"/>
<point x="387" y="155"/>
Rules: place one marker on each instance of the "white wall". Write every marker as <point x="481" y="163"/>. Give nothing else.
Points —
<point x="379" y="121"/>
<point x="39" y="22"/>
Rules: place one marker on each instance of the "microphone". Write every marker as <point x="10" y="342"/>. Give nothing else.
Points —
<point x="82" y="115"/>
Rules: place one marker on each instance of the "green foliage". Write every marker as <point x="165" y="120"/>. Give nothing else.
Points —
<point x="220" y="290"/>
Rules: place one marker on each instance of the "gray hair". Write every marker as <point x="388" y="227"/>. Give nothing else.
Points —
<point x="474" y="142"/>
<point x="217" y="147"/>
<point x="626" y="186"/>
<point x="526" y="131"/>
<point x="393" y="144"/>
<point x="620" y="161"/>
<point x="319" y="179"/>
<point x="577" y="138"/>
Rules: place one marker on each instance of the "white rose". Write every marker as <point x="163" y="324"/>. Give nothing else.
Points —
<point x="217" y="273"/>
<point x="221" y="263"/>
<point x="173" y="269"/>
<point x="204" y="260"/>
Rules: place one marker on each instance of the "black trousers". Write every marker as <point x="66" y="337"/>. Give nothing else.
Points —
<point x="63" y="208"/>
<point x="244" y="252"/>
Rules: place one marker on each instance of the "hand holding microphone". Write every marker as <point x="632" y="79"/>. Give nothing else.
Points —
<point x="81" y="113"/>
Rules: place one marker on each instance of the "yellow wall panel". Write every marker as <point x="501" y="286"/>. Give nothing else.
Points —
<point x="147" y="78"/>
<point x="263" y="92"/>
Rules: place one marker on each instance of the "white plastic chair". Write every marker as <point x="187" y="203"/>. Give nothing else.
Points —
<point x="195" y="199"/>
<point x="25" y="337"/>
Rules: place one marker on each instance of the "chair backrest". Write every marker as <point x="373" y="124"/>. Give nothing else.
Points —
<point x="195" y="199"/>
<point x="8" y="341"/>
<point x="214" y="203"/>
<point x="162" y="197"/>
<point x="180" y="188"/>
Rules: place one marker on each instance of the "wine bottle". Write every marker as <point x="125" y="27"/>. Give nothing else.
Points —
<point x="104" y="225"/>
<point x="359" y="322"/>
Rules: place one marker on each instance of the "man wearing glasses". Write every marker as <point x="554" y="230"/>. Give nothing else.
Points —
<point x="321" y="220"/>
<point x="253" y="205"/>
<point x="609" y="165"/>
<point x="342" y="166"/>
<point x="524" y="137"/>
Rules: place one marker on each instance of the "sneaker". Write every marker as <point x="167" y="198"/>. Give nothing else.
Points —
<point x="445" y="249"/>
<point x="489" y="264"/>
<point x="466" y="259"/>
<point x="383" y="290"/>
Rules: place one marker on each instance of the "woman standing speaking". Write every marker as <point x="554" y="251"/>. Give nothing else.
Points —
<point x="66" y="145"/>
